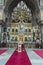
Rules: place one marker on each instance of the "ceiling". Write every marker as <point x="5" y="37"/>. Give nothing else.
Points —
<point x="32" y="4"/>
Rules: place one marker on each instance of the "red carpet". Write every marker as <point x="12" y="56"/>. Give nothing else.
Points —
<point x="39" y="52"/>
<point x="2" y="51"/>
<point x="19" y="59"/>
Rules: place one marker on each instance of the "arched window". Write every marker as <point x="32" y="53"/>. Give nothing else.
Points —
<point x="16" y="38"/>
<point x="12" y="30"/>
<point x="4" y="29"/>
<point x="25" y="38"/>
<point x="25" y="30"/>
<point x="8" y="36"/>
<point x="16" y="30"/>
<point x="4" y="36"/>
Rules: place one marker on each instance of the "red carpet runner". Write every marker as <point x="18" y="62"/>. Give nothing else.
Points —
<point x="2" y="51"/>
<point x="19" y="59"/>
<point x="39" y="52"/>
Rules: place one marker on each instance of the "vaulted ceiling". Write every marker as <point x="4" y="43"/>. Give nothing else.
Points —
<point x="32" y="4"/>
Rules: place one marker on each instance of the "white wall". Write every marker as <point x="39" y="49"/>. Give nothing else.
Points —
<point x="1" y="14"/>
<point x="41" y="2"/>
<point x="41" y="9"/>
<point x="41" y="14"/>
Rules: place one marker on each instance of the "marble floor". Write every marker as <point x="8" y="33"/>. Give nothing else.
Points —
<point x="34" y="58"/>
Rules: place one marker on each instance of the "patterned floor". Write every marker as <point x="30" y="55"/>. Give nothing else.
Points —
<point x="34" y="58"/>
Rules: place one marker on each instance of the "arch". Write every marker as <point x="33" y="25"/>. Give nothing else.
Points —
<point x="32" y="4"/>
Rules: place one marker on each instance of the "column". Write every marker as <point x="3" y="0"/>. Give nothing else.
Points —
<point x="0" y="33"/>
<point x="42" y="34"/>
